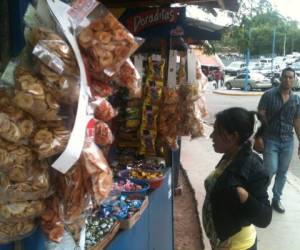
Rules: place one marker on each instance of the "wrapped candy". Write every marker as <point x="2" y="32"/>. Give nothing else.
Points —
<point x="125" y="186"/>
<point x="97" y="228"/>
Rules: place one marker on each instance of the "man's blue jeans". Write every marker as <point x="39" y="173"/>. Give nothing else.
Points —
<point x="277" y="158"/>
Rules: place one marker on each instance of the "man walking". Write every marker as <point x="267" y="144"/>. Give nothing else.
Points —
<point x="281" y="109"/>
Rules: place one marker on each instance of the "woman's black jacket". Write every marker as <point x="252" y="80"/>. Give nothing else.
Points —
<point x="229" y="215"/>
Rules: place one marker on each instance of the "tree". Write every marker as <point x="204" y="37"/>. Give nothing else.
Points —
<point x="255" y="31"/>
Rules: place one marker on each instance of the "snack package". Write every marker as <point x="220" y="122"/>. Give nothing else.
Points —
<point x="103" y="110"/>
<point x="106" y="42"/>
<point x="170" y="96"/>
<point x="150" y="115"/>
<point x="19" y="211"/>
<point x="13" y="231"/>
<point x="32" y="98"/>
<point x="100" y="89"/>
<point x="103" y="134"/>
<point x="36" y="187"/>
<point x="52" y="225"/>
<point x="15" y="125"/>
<point x="169" y="119"/>
<point x="76" y="229"/>
<point x="128" y="77"/>
<point x="16" y="161"/>
<point x="153" y="91"/>
<point x="156" y="66"/>
<point x="148" y="140"/>
<point x="73" y="193"/>
<point x="65" y="88"/>
<point x="50" y="141"/>
<point x="97" y="170"/>
<point x="57" y="55"/>
<point x="42" y="33"/>
<point x="189" y="92"/>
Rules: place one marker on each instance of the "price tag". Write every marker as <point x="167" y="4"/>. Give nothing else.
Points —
<point x="74" y="147"/>
<point x="172" y="69"/>
<point x="81" y="9"/>
<point x="191" y="64"/>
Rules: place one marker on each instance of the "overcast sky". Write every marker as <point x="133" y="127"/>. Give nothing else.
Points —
<point x="288" y="8"/>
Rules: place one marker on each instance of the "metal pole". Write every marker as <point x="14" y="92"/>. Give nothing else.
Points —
<point x="273" y="49"/>
<point x="284" y="45"/>
<point x="246" y="80"/>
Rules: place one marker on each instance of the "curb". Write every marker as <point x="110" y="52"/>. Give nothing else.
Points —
<point x="237" y="93"/>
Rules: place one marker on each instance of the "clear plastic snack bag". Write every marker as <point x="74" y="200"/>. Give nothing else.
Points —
<point x="50" y="141"/>
<point x="106" y="42"/>
<point x="97" y="170"/>
<point x="13" y="231"/>
<point x="23" y="210"/>
<point x="32" y="97"/>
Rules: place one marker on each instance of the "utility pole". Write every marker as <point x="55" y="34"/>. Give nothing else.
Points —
<point x="273" y="49"/>
<point x="284" y="44"/>
<point x="247" y="54"/>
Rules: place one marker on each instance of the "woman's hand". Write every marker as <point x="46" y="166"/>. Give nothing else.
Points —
<point x="243" y="194"/>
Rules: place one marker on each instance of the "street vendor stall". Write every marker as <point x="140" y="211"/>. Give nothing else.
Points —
<point x="88" y="122"/>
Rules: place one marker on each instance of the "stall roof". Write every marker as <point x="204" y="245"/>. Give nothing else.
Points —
<point x="209" y="60"/>
<point x="167" y="21"/>
<point x="231" y="5"/>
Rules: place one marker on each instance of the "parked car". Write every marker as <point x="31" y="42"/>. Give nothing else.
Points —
<point x="296" y="66"/>
<point x="235" y="68"/>
<point x="276" y="81"/>
<point x="255" y="81"/>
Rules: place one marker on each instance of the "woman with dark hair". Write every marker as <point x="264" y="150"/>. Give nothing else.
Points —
<point x="236" y="191"/>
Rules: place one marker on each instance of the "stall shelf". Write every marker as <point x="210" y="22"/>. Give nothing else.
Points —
<point x="154" y="230"/>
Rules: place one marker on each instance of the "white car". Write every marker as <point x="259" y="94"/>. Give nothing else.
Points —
<point x="255" y="81"/>
<point x="235" y="68"/>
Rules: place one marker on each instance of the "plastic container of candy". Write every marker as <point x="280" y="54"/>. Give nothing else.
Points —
<point x="127" y="184"/>
<point x="154" y="183"/>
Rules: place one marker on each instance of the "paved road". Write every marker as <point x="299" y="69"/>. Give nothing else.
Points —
<point x="217" y="103"/>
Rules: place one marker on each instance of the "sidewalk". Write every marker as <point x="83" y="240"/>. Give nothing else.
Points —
<point x="198" y="159"/>
<point x="224" y="91"/>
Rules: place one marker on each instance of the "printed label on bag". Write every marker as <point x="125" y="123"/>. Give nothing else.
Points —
<point x="81" y="9"/>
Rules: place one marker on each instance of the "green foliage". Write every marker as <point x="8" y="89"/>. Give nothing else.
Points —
<point x="255" y="31"/>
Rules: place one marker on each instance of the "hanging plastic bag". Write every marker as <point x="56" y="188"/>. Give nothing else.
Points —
<point x="19" y="211"/>
<point x="32" y="98"/>
<point x="50" y="141"/>
<point x="97" y="170"/>
<point x="13" y="231"/>
<point x="106" y="42"/>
